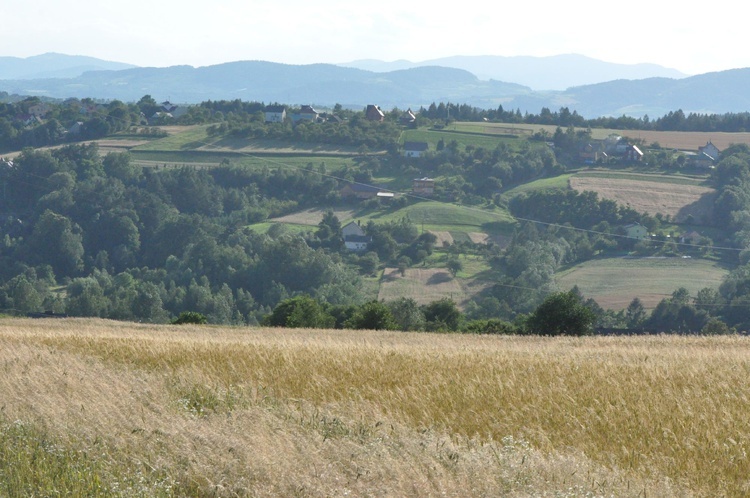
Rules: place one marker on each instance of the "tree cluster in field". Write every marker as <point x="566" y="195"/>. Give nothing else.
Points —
<point x="562" y="313"/>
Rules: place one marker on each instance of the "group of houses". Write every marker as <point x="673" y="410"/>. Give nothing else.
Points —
<point x="616" y="147"/>
<point x="38" y="113"/>
<point x="307" y="113"/>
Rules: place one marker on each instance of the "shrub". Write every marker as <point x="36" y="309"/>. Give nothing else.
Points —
<point x="190" y="317"/>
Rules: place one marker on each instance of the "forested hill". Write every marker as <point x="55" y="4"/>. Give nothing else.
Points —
<point x="327" y="85"/>
<point x="52" y="65"/>
<point x="321" y="84"/>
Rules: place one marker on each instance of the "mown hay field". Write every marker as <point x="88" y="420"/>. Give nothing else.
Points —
<point x="678" y="200"/>
<point x="425" y="285"/>
<point x="313" y="216"/>
<point x="681" y="140"/>
<point x="614" y="282"/>
<point x="99" y="408"/>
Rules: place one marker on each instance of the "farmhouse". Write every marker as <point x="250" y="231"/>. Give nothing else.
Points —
<point x="275" y="113"/>
<point x="373" y="113"/>
<point x="76" y="128"/>
<point x="306" y="113"/>
<point x="408" y="118"/>
<point x="355" y="238"/>
<point x="591" y="153"/>
<point x="40" y="110"/>
<point x="710" y="150"/>
<point x="632" y="154"/>
<point x="423" y="186"/>
<point x="415" y="149"/>
<point x="707" y="156"/>
<point x="168" y="111"/>
<point x="636" y="231"/>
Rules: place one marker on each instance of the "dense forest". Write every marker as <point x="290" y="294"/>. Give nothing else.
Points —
<point x="92" y="235"/>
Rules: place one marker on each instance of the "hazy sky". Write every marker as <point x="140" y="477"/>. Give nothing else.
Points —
<point x="200" y="33"/>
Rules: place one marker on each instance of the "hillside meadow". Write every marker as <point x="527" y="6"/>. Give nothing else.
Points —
<point x="101" y="408"/>
<point x="614" y="282"/>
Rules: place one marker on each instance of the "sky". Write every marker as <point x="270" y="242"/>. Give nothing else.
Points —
<point x="164" y="33"/>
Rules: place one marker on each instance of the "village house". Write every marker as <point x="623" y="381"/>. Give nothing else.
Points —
<point x="592" y="153"/>
<point x="168" y="110"/>
<point x="691" y="237"/>
<point x="354" y="237"/>
<point x="275" y="113"/>
<point x="636" y="231"/>
<point x="373" y="113"/>
<point x="707" y="156"/>
<point x="40" y="110"/>
<point x="76" y="128"/>
<point x="306" y="113"/>
<point x="710" y="150"/>
<point x="423" y="186"/>
<point x="632" y="154"/>
<point x="415" y="149"/>
<point x="408" y="118"/>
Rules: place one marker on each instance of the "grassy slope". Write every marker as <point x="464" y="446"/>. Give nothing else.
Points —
<point x="614" y="282"/>
<point x="95" y="407"/>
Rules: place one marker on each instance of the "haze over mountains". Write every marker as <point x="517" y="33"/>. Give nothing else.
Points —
<point x="52" y="65"/>
<point x="557" y="72"/>
<point x="591" y="87"/>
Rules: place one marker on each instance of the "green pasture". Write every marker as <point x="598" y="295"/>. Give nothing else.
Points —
<point x="555" y="183"/>
<point x="192" y="137"/>
<point x="440" y="216"/>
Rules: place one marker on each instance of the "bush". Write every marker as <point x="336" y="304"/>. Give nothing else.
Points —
<point x="491" y="326"/>
<point x="190" y="317"/>
<point x="562" y="313"/>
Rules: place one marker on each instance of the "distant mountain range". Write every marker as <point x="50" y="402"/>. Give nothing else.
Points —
<point x="613" y="89"/>
<point x="557" y="72"/>
<point x="53" y="65"/>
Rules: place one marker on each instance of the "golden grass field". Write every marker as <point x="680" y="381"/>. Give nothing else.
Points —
<point x="652" y="197"/>
<point x="99" y="408"/>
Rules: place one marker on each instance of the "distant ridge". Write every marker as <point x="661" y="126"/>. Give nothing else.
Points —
<point x="53" y="65"/>
<point x="328" y="84"/>
<point x="557" y="72"/>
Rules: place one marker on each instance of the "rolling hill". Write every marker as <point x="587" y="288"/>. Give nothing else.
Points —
<point x="557" y="72"/>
